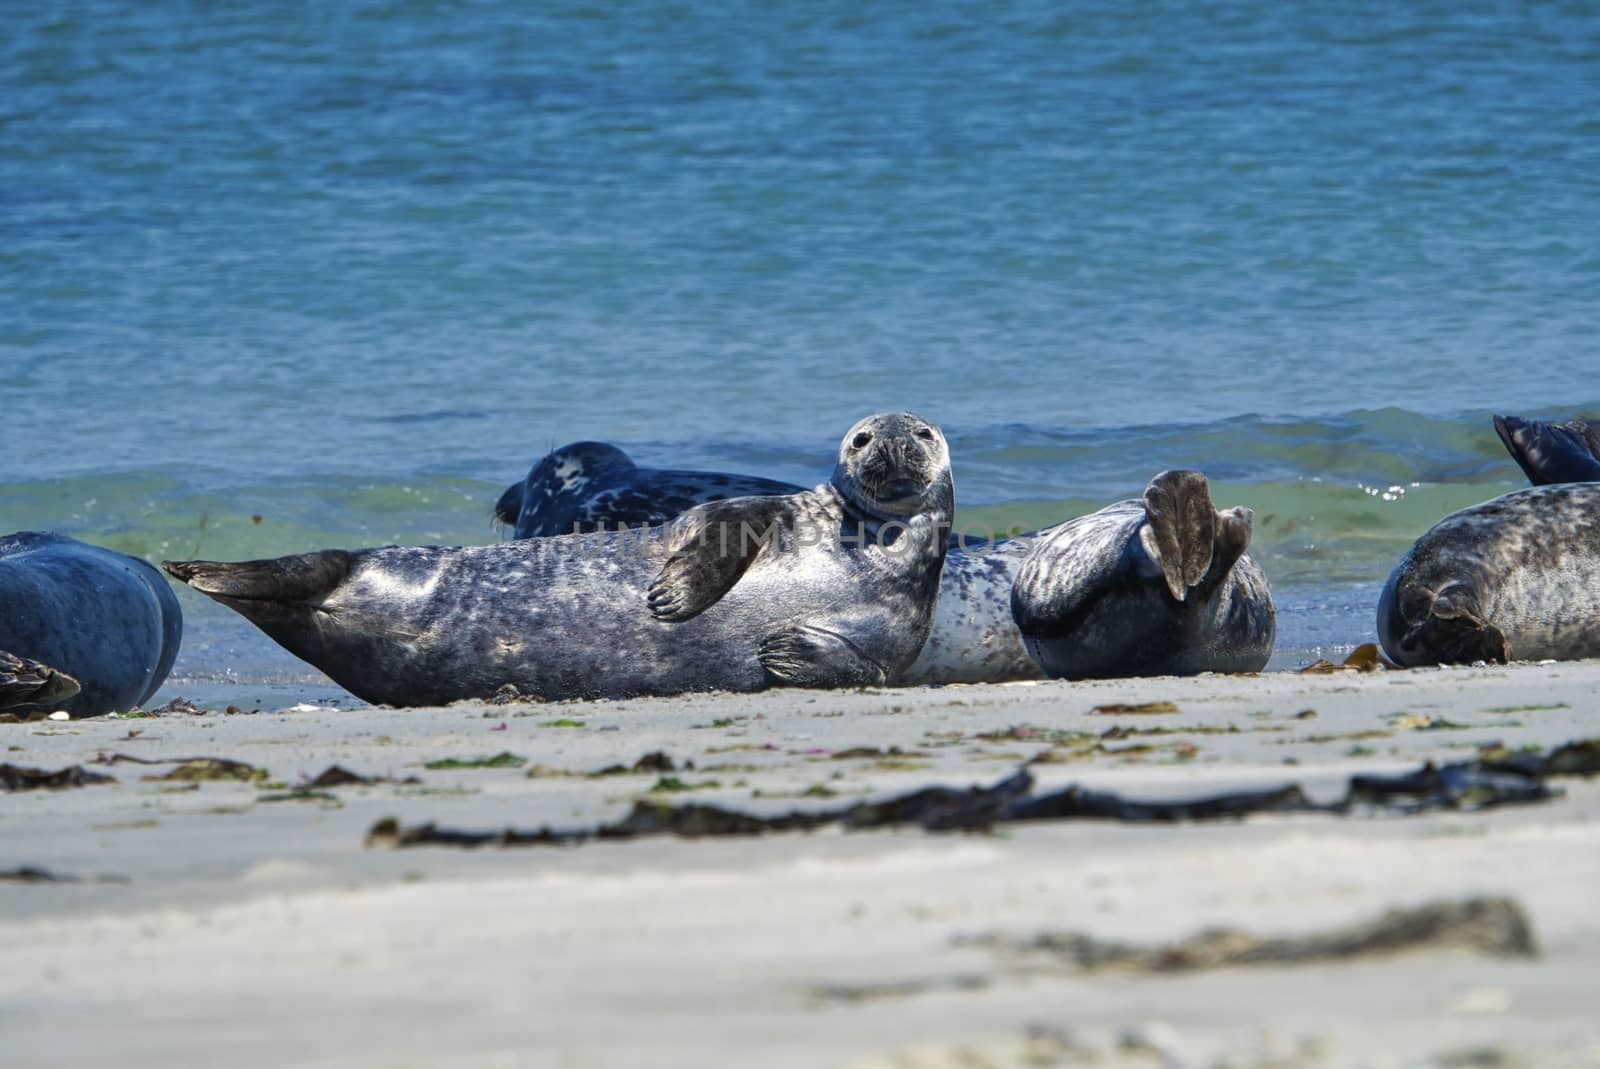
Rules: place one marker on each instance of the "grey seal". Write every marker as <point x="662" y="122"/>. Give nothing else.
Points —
<point x="973" y="638"/>
<point x="1158" y="586"/>
<point x="829" y="587"/>
<point x="1513" y="578"/>
<point x="84" y="629"/>
<point x="587" y="486"/>
<point x="596" y="486"/>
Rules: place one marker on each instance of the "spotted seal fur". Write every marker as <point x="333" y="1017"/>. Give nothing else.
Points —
<point x="828" y="587"/>
<point x="1513" y="578"/>
<point x="587" y="486"/>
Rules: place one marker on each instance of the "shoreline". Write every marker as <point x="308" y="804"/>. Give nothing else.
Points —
<point x="242" y="910"/>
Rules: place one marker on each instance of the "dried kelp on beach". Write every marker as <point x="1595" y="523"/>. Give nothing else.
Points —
<point x="18" y="778"/>
<point x="1462" y="786"/>
<point x="1494" y="926"/>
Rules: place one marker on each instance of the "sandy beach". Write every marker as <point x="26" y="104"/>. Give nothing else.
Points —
<point x="247" y="922"/>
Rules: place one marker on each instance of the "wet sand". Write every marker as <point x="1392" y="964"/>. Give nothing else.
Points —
<point x="246" y="923"/>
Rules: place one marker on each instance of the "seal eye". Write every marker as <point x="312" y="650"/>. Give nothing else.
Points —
<point x="860" y="441"/>
<point x="926" y="434"/>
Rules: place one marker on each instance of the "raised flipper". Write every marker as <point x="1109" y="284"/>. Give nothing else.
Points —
<point x="1551" y="452"/>
<point x="711" y="546"/>
<point x="26" y="684"/>
<point x="1180" y="531"/>
<point x="257" y="587"/>
<point x="809" y="655"/>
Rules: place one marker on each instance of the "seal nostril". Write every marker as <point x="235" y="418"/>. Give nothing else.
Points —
<point x="860" y="441"/>
<point x="926" y="434"/>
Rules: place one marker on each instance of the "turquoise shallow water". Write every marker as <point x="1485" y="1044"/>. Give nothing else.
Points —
<point x="350" y="269"/>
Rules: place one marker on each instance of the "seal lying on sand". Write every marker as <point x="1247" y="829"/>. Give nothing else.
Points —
<point x="974" y="638"/>
<point x="829" y="587"/>
<point x="83" y="629"/>
<point x="1160" y="586"/>
<point x="1515" y="578"/>
<point x="588" y="486"/>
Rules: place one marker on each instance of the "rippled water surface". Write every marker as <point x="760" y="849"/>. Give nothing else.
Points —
<point x="276" y="279"/>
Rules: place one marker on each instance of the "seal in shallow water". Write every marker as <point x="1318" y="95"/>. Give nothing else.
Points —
<point x="828" y="587"/>
<point x="83" y="629"/>
<point x="1515" y="578"/>
<point x="589" y="486"/>
<point x="1160" y="586"/>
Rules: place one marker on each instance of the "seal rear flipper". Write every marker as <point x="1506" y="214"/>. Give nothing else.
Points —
<point x="711" y="547"/>
<point x="285" y="581"/>
<point x="1180" y="531"/>
<point x="808" y="655"/>
<point x="27" y="684"/>
<point x="1551" y="452"/>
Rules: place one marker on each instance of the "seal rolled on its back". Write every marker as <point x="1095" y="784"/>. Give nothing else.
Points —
<point x="828" y="587"/>
<point x="1161" y="586"/>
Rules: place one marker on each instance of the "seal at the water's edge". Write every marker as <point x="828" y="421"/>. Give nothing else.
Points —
<point x="588" y="486"/>
<point x="828" y="587"/>
<point x="82" y="629"/>
<point x="1160" y="586"/>
<point x="1515" y="578"/>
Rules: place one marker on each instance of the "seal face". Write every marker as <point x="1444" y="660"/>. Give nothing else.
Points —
<point x="829" y="587"/>
<point x="1160" y="586"/>
<point x="1515" y="578"/>
<point x="590" y="486"/>
<point x="84" y="629"/>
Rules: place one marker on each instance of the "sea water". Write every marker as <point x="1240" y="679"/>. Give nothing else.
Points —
<point x="278" y="277"/>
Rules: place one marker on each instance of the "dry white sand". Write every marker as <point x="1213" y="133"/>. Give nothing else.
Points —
<point x="252" y="932"/>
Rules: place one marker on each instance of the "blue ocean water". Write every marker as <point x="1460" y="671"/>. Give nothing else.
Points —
<point x="274" y="278"/>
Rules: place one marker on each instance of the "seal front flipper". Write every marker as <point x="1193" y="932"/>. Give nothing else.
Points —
<point x="1551" y="452"/>
<point x="1180" y="530"/>
<point x="711" y="546"/>
<point x="262" y="589"/>
<point x="32" y="685"/>
<point x="1449" y="629"/>
<point x="810" y="655"/>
